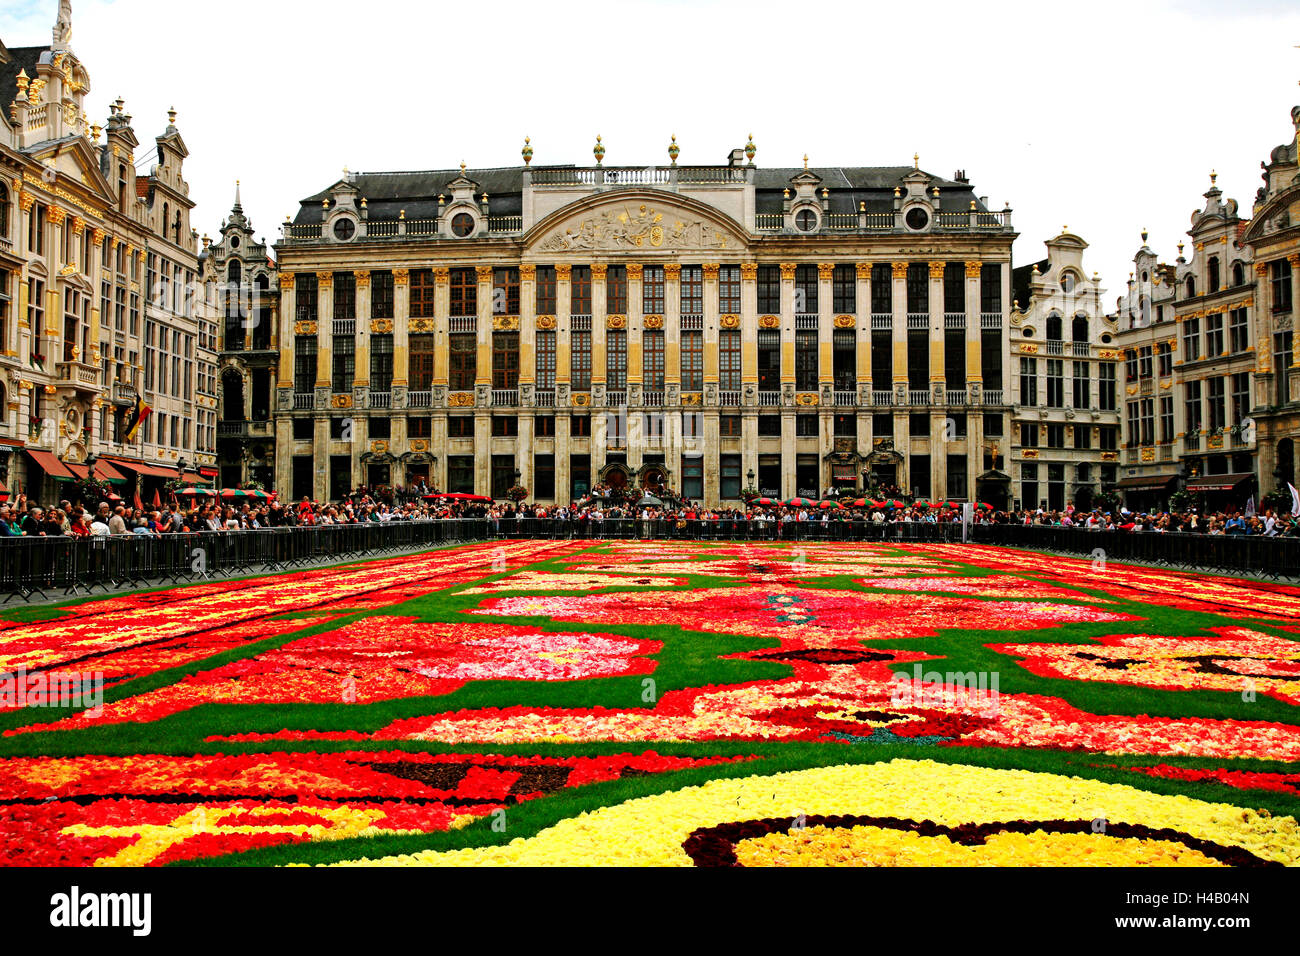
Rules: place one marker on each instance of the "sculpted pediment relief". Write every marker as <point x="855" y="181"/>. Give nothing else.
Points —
<point x="637" y="225"/>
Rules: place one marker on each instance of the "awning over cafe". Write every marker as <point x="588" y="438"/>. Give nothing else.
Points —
<point x="1217" y="482"/>
<point x="1146" y="482"/>
<point x="50" y="464"/>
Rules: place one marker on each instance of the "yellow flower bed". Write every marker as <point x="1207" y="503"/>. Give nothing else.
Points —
<point x="650" y="831"/>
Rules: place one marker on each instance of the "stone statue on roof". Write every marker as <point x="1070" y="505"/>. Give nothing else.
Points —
<point x="63" y="26"/>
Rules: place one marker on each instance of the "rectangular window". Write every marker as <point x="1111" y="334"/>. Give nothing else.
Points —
<point x="769" y="290"/>
<point x="544" y="426"/>
<point x="991" y="288"/>
<point x="1192" y="417"/>
<point x="1166" y="420"/>
<point x="729" y="477"/>
<point x="1217" y="404"/>
<point x="416" y="426"/>
<point x="729" y="360"/>
<point x="692" y="478"/>
<point x="345" y="295"/>
<point x="769" y="426"/>
<point x="1191" y="340"/>
<point x="545" y="297"/>
<point x="692" y="290"/>
<point x="1055" y="383"/>
<point x="422" y="291"/>
<point x="422" y="361"/>
<point x="1214" y="335"/>
<point x="919" y="472"/>
<point x="1280" y="284"/>
<point x="460" y="474"/>
<point x="845" y="359"/>
<point x="652" y="359"/>
<point x="305" y="296"/>
<point x="1282" y="345"/>
<point x="844" y="288"/>
<point x="345" y="363"/>
<point x="1081" y="385"/>
<point x="882" y="361"/>
<point x="954" y="359"/>
<point x="805" y="360"/>
<point x="616" y="290"/>
<point x="1028" y="381"/>
<point x="1240" y="397"/>
<point x="1144" y="362"/>
<point x="729" y="290"/>
<point x="652" y="290"/>
<point x="918" y="288"/>
<point x="805" y="426"/>
<point x="462" y="364"/>
<point x="505" y="291"/>
<point x="1028" y="435"/>
<point x="505" y="360"/>
<point x="692" y="361"/>
<point x="381" y="363"/>
<point x="918" y="360"/>
<point x="729" y="426"/>
<point x="381" y="294"/>
<point x="882" y="288"/>
<point x="580" y="361"/>
<point x="460" y="426"/>
<point x="580" y="290"/>
<point x="1055" y="435"/>
<point x="616" y="359"/>
<point x="1164" y="360"/>
<point x="954" y="287"/>
<point x="805" y="289"/>
<point x="545" y="352"/>
<point x="464" y="292"/>
<point x="769" y="360"/>
<point x="544" y="477"/>
<point x="580" y="426"/>
<point x="1148" y="422"/>
<point x="1106" y="386"/>
<point x="1239" y="330"/>
<point x="957" y="481"/>
<point x="505" y="426"/>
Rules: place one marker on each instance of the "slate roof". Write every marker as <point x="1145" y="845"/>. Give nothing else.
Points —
<point x="416" y="192"/>
<point x="21" y="58"/>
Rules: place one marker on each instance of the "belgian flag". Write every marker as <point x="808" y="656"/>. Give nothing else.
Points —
<point x="138" y="415"/>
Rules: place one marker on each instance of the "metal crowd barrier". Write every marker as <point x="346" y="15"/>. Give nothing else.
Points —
<point x="48" y="567"/>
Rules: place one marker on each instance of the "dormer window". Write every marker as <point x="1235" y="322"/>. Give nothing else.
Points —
<point x="462" y="224"/>
<point x="344" y="229"/>
<point x="805" y="220"/>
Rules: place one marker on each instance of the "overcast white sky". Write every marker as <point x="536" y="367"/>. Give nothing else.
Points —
<point x="1104" y="116"/>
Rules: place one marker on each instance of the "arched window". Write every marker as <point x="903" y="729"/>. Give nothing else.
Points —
<point x="262" y="307"/>
<point x="121" y="187"/>
<point x="1212" y="275"/>
<point x="1145" y="318"/>
<point x="1238" y="274"/>
<point x="232" y="396"/>
<point x="1054" y="326"/>
<point x="4" y="211"/>
<point x="1191" y="287"/>
<point x="1079" y="329"/>
<point x="178" y="227"/>
<point x="165" y="218"/>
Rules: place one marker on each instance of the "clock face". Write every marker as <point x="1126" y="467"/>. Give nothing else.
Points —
<point x="344" y="229"/>
<point x="462" y="224"/>
<point x="805" y="220"/>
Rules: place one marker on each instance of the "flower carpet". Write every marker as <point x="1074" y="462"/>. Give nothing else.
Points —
<point x="668" y="704"/>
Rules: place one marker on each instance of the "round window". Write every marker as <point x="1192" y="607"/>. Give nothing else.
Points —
<point x="1067" y="283"/>
<point x="234" y="242"/>
<point x="1027" y="333"/>
<point x="805" y="220"/>
<point x="344" y="229"/>
<point x="462" y="224"/>
<point x="917" y="218"/>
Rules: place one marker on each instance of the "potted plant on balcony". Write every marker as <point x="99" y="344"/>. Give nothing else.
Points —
<point x="517" y="493"/>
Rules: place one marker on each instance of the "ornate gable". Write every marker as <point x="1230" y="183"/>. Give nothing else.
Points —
<point x="640" y="222"/>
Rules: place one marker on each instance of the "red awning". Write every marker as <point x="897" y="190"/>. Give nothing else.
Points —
<point x="50" y="464"/>
<point x="144" y="469"/>
<point x="208" y="471"/>
<point x="1217" y="482"/>
<point x="103" y="471"/>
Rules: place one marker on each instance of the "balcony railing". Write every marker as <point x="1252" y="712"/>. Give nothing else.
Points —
<point x="993" y="396"/>
<point x="505" y="397"/>
<point x="1165" y="451"/>
<point x="462" y="323"/>
<point x="729" y="399"/>
<point x="1080" y="349"/>
<point x="303" y="400"/>
<point x="882" y="398"/>
<point x="544" y="398"/>
<point x="806" y="323"/>
<point x="955" y="396"/>
<point x="1054" y="347"/>
<point x="381" y="399"/>
<point x="652" y="397"/>
<point x="954" y="321"/>
<point x="990" y="320"/>
<point x="769" y="399"/>
<point x="882" y="322"/>
<point x="422" y="399"/>
<point x="768" y="221"/>
<point x="916" y="396"/>
<point x="845" y="399"/>
<point x="615" y="399"/>
<point x="918" y="320"/>
<point x="504" y="224"/>
<point x="345" y="326"/>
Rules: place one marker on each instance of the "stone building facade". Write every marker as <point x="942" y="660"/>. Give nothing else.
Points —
<point x="1064" y="439"/>
<point x="710" y="329"/>
<point x="97" y="266"/>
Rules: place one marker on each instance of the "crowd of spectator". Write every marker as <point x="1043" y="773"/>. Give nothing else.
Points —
<point x="24" y="518"/>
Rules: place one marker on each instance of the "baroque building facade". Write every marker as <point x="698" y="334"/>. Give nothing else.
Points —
<point x="97" y="264"/>
<point x="709" y="329"/>
<point x="1065" y="433"/>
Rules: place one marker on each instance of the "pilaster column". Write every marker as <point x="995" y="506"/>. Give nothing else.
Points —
<point x="938" y="328"/>
<point x="672" y="322"/>
<point x="564" y="335"/>
<point x="863" y="314"/>
<point x="749" y="329"/>
<point x="563" y="449"/>
<point x="288" y="313"/>
<point x="1294" y="261"/>
<point x="974" y="332"/>
<point x="441" y="325"/>
<point x="484" y="326"/>
<point x="599" y="317"/>
<point x="711" y="328"/>
<point x="900" y="333"/>
<point x="361" y="316"/>
<point x="324" y="329"/>
<point x="527" y="327"/>
<point x="787" y="334"/>
<point x="825" y="324"/>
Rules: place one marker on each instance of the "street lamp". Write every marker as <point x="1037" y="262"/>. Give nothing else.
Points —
<point x="751" y="477"/>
